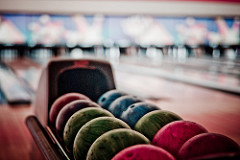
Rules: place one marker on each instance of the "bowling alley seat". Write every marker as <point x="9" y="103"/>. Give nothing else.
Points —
<point x="86" y="76"/>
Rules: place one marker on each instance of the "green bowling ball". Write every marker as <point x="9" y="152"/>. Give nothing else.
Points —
<point x="91" y="131"/>
<point x="112" y="142"/>
<point x="77" y="120"/>
<point x="151" y="122"/>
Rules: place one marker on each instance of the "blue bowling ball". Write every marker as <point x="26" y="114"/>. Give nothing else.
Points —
<point x="136" y="111"/>
<point x="121" y="104"/>
<point x="108" y="97"/>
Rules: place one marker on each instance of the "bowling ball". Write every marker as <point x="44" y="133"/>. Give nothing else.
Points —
<point x="208" y="144"/>
<point x="91" y="131"/>
<point x="60" y="102"/>
<point x="143" y="152"/>
<point x="112" y="142"/>
<point x="219" y="156"/>
<point x="121" y="104"/>
<point x="108" y="97"/>
<point x="77" y="120"/>
<point x="173" y="135"/>
<point x="151" y="122"/>
<point x="135" y="111"/>
<point x="67" y="111"/>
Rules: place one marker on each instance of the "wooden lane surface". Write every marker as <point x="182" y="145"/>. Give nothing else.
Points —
<point x="16" y="142"/>
<point x="217" y="111"/>
<point x="26" y="69"/>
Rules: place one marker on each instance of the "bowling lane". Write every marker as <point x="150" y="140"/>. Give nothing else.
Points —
<point x="16" y="142"/>
<point x="18" y="81"/>
<point x="221" y="74"/>
<point x="26" y="69"/>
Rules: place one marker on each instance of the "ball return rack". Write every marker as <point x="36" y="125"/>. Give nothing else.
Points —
<point x="60" y="76"/>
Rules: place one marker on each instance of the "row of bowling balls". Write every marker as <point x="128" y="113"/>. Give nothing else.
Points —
<point x="120" y="126"/>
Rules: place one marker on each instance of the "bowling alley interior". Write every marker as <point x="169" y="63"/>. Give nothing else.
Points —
<point x="162" y="76"/>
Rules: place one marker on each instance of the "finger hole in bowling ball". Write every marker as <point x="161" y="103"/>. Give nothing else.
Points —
<point x="103" y="99"/>
<point x="129" y="155"/>
<point x="132" y="106"/>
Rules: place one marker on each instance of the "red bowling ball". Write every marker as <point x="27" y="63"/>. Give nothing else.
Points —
<point x="208" y="145"/>
<point x="60" y="102"/>
<point x="143" y="152"/>
<point x="68" y="110"/>
<point x="173" y="135"/>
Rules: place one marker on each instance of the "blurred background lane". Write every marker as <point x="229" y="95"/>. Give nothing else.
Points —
<point x="203" y="51"/>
